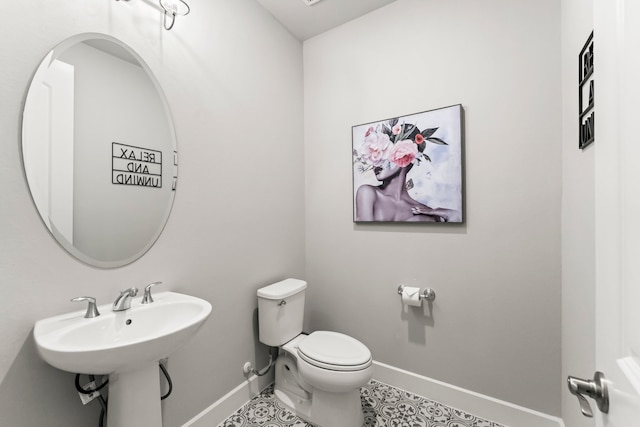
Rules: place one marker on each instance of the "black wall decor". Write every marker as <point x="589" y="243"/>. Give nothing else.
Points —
<point x="586" y="113"/>
<point x="137" y="166"/>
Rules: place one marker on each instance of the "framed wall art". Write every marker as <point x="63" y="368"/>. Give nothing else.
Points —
<point x="409" y="168"/>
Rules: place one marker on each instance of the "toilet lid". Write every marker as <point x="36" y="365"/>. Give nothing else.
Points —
<point x="335" y="351"/>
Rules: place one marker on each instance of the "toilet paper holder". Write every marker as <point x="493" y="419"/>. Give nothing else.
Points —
<point x="425" y="294"/>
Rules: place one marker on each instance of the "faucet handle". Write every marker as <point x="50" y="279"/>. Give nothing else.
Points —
<point x="92" y="310"/>
<point x="147" y="298"/>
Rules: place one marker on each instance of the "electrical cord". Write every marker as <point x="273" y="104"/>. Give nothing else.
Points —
<point x="103" y="401"/>
<point x="166" y="375"/>
<point x="90" y="390"/>
<point x="103" y="411"/>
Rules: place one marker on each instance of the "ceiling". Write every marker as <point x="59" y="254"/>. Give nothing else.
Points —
<point x="304" y="21"/>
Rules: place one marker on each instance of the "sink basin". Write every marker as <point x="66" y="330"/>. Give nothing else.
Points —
<point x="123" y="340"/>
<point x="127" y="346"/>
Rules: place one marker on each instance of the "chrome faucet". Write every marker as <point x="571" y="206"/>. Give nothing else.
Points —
<point x="123" y="302"/>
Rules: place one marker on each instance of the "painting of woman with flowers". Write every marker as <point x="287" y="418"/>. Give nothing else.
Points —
<point x="409" y="169"/>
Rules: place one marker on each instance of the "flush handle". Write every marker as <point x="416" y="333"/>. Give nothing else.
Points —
<point x="595" y="389"/>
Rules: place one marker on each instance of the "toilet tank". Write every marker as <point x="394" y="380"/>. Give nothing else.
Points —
<point x="281" y="311"/>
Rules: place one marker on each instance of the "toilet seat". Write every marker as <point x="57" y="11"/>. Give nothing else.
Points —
<point x="334" y="351"/>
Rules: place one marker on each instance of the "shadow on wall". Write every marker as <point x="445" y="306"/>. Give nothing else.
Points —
<point x="418" y="319"/>
<point x="34" y="393"/>
<point x="261" y="353"/>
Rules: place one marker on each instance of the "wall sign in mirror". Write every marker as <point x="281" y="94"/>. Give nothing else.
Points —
<point x="586" y="95"/>
<point x="99" y="148"/>
<point x="136" y="166"/>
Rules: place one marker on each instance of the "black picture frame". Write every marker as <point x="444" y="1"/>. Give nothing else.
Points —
<point x="418" y="157"/>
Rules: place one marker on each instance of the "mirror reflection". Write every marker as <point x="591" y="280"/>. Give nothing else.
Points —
<point x="99" y="150"/>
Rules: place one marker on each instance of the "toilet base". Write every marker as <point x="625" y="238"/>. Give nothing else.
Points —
<point x="325" y="409"/>
<point x="337" y="409"/>
<point x="321" y="408"/>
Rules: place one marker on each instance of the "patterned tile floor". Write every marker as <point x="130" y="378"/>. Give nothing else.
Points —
<point x="383" y="406"/>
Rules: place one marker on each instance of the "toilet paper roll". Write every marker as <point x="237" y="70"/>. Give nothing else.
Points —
<point x="411" y="296"/>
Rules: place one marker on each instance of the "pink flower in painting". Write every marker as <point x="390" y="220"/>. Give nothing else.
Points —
<point x="403" y="153"/>
<point x="375" y="148"/>
<point x="396" y="129"/>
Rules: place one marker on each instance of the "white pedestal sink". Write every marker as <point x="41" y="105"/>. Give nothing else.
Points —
<point x="127" y="346"/>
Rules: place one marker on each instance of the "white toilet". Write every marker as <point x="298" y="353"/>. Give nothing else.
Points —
<point x="319" y="375"/>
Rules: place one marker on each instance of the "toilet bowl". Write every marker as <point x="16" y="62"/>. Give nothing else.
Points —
<point x="334" y="362"/>
<point x="318" y="376"/>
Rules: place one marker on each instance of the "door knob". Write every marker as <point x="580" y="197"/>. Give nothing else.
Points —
<point x="595" y="389"/>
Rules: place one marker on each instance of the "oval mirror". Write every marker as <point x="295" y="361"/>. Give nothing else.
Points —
<point x="99" y="150"/>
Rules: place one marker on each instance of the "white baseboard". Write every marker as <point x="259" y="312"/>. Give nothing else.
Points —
<point x="474" y="403"/>
<point x="231" y="402"/>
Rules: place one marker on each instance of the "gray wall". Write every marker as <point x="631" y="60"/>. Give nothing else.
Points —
<point x="495" y="326"/>
<point x="578" y="210"/>
<point x="237" y="221"/>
